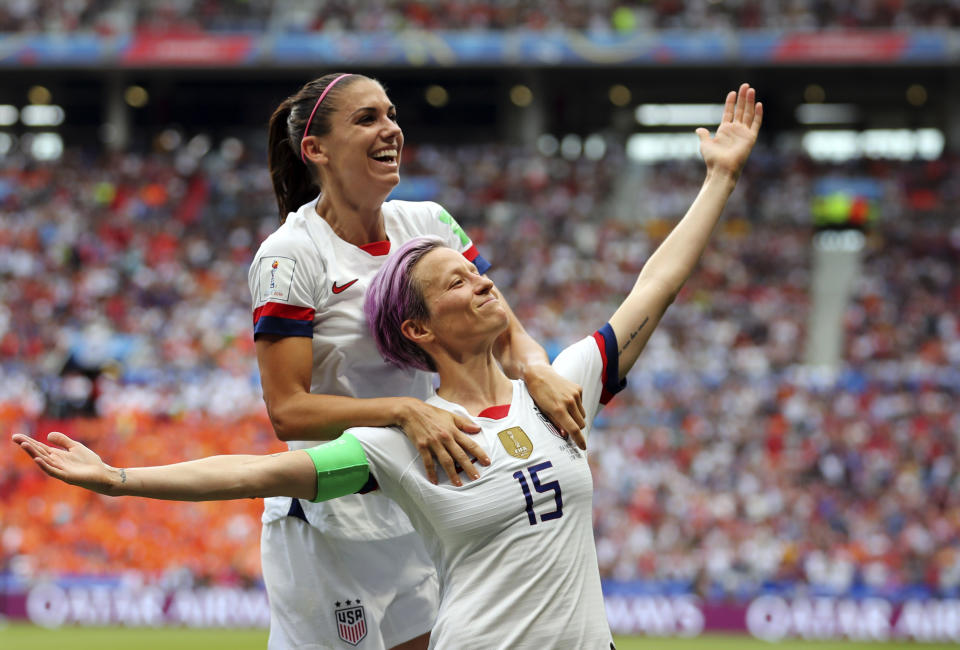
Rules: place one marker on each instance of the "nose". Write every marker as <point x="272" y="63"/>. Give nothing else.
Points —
<point x="391" y="130"/>
<point x="484" y="285"/>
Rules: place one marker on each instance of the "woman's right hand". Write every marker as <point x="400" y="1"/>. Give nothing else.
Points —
<point x="74" y="464"/>
<point x="441" y="437"/>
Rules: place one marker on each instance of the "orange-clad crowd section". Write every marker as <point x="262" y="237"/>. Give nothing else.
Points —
<point x="51" y="527"/>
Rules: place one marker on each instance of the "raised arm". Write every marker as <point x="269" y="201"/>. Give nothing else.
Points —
<point x="286" y="364"/>
<point x="671" y="264"/>
<point x="216" y="478"/>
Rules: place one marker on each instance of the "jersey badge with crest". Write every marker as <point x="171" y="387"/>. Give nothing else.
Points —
<point x="546" y="422"/>
<point x="351" y="621"/>
<point x="276" y="277"/>
<point x="566" y="444"/>
<point x="516" y="442"/>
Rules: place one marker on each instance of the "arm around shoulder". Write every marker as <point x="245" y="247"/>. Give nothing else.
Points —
<point x="286" y="367"/>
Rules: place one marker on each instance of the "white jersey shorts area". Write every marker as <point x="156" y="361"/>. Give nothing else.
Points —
<point x="373" y="595"/>
<point x="514" y="549"/>
<point x="305" y="281"/>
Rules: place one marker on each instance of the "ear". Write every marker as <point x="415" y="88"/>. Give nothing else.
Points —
<point x="312" y="149"/>
<point x="416" y="331"/>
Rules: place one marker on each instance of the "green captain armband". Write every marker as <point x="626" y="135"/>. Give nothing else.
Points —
<point x="341" y="465"/>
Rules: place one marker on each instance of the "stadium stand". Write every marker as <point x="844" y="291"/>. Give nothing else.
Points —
<point x="111" y="17"/>
<point x="725" y="468"/>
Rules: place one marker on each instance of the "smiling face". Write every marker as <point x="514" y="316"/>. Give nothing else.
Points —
<point x="463" y="307"/>
<point x="361" y="154"/>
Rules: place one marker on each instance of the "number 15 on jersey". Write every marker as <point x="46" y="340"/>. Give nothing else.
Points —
<point x="551" y="486"/>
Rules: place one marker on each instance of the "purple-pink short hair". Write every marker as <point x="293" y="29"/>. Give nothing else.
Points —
<point x="393" y="297"/>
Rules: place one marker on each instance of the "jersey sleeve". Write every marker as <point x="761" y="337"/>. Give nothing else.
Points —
<point x="284" y="282"/>
<point x="592" y="363"/>
<point x="389" y="456"/>
<point x="446" y="227"/>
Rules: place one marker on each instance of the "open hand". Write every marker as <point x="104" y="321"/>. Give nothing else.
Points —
<point x="727" y="151"/>
<point x="74" y="464"/>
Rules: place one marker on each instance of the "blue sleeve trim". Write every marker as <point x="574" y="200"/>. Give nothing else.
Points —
<point x="482" y="264"/>
<point x="296" y="510"/>
<point x="282" y="327"/>
<point x="612" y="384"/>
<point x="370" y="486"/>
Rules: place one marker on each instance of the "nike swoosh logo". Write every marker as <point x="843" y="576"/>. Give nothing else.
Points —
<point x="344" y="287"/>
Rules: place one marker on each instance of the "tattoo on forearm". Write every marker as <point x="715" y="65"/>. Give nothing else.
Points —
<point x="633" y="335"/>
<point x="123" y="475"/>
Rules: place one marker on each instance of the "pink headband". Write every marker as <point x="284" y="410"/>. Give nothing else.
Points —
<point x="316" y="106"/>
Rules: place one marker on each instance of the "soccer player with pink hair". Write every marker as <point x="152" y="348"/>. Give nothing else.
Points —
<point x="514" y="548"/>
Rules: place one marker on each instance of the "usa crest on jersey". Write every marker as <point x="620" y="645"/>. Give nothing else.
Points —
<point x="351" y="622"/>
<point x="546" y="422"/>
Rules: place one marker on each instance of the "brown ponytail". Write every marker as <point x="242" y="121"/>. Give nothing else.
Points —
<point x="296" y="183"/>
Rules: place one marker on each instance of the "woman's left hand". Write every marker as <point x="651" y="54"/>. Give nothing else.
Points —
<point x="727" y="151"/>
<point x="559" y="399"/>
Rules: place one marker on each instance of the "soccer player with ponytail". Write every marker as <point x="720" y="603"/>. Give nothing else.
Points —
<point x="334" y="154"/>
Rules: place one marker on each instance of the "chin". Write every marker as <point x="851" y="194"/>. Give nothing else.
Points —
<point x="380" y="187"/>
<point x="390" y="182"/>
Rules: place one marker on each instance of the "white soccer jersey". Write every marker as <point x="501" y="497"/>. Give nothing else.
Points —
<point x="306" y="281"/>
<point x="514" y="549"/>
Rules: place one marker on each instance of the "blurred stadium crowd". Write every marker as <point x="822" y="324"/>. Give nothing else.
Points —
<point x="109" y="17"/>
<point x="725" y="467"/>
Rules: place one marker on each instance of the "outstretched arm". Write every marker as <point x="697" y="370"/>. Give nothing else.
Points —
<point x="672" y="263"/>
<point x="216" y="478"/>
